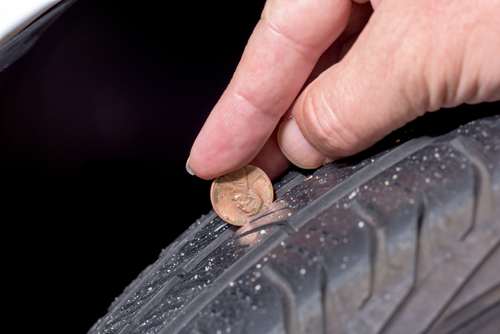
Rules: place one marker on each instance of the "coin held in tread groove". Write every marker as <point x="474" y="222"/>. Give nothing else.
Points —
<point x="240" y="195"/>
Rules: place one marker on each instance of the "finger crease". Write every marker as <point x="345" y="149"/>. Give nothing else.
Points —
<point x="253" y="105"/>
<point x="307" y="52"/>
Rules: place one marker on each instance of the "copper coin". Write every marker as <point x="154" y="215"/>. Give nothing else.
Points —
<point x="238" y="196"/>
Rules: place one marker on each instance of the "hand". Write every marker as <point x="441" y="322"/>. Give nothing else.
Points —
<point x="390" y="67"/>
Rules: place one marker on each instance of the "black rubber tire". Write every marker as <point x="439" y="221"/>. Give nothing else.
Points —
<point x="22" y="43"/>
<point x="403" y="238"/>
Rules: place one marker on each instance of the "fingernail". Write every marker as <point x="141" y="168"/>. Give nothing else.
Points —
<point x="296" y="148"/>
<point x="327" y="161"/>
<point x="188" y="168"/>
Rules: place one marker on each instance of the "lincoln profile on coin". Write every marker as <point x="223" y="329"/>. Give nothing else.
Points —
<point x="246" y="200"/>
<point x="249" y="202"/>
<point x="239" y="196"/>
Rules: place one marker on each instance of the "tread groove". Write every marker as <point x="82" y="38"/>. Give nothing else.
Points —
<point x="491" y="294"/>
<point x="330" y="316"/>
<point x="451" y="329"/>
<point x="421" y="218"/>
<point x="279" y="280"/>
<point x="296" y="221"/>
<point x="227" y="234"/>
<point x="419" y="264"/>
<point x="488" y="323"/>
<point x="489" y="242"/>
<point x="151" y="303"/>
<point x="378" y="257"/>
<point x="424" y="243"/>
<point x="363" y="175"/>
<point x="204" y="297"/>
<point x="324" y="300"/>
<point x="206" y="220"/>
<point x="289" y="185"/>
<point x="483" y="194"/>
<point x="280" y="223"/>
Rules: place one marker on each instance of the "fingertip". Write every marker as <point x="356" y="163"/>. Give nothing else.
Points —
<point x="200" y="165"/>
<point x="296" y="148"/>
<point x="271" y="160"/>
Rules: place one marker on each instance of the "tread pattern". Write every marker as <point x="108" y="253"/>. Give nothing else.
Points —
<point x="356" y="247"/>
<point x="167" y="271"/>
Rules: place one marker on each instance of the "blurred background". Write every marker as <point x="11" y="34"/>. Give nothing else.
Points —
<point x="96" y="124"/>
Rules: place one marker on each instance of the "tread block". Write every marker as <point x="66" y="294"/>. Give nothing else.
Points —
<point x="405" y="239"/>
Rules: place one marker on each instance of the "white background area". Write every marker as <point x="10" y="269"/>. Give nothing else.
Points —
<point x="15" y="15"/>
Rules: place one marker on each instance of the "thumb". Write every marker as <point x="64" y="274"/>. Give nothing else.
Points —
<point x="375" y="89"/>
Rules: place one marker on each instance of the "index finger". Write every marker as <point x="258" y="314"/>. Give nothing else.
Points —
<point x="279" y="56"/>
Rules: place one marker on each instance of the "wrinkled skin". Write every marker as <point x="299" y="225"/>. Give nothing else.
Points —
<point x="324" y="79"/>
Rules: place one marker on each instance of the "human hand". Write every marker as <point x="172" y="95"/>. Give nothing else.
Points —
<point x="410" y="57"/>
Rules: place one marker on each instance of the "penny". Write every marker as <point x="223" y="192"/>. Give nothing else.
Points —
<point x="240" y="195"/>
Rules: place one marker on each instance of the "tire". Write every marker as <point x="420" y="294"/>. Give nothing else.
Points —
<point x="403" y="238"/>
<point x="22" y="43"/>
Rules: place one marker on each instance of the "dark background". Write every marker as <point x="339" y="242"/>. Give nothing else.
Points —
<point x="96" y="124"/>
